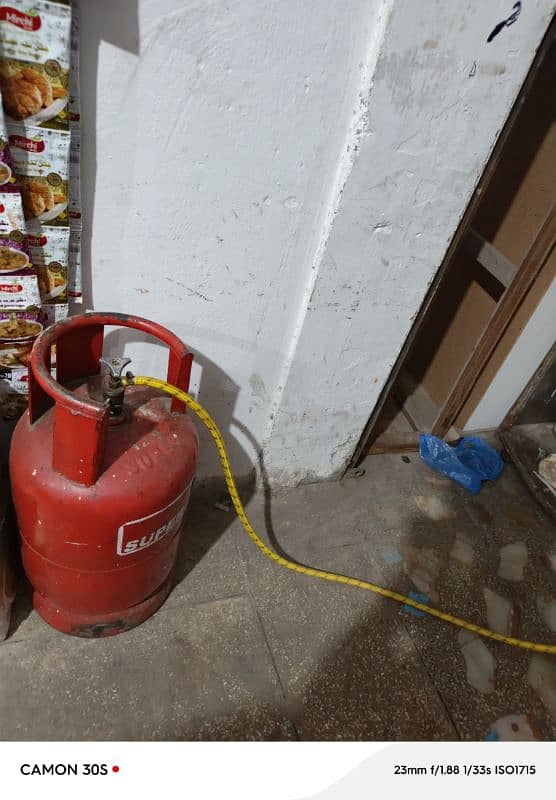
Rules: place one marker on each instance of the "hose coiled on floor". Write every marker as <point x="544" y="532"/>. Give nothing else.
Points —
<point x="313" y="572"/>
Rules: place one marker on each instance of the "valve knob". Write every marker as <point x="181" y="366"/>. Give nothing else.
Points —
<point x="115" y="365"/>
<point x="113" y="388"/>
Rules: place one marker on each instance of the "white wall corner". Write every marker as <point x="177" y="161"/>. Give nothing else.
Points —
<point x="437" y="99"/>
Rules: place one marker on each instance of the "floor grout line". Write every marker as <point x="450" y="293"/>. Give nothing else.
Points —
<point x="430" y="678"/>
<point x="267" y="642"/>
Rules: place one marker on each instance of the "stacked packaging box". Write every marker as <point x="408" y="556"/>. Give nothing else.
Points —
<point x="40" y="218"/>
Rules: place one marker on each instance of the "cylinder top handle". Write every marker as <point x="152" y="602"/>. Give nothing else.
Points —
<point x="80" y="423"/>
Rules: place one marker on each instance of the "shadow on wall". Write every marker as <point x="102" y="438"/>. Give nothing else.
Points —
<point x="216" y="391"/>
<point x="118" y="25"/>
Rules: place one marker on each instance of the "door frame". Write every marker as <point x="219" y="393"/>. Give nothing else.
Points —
<point x="534" y="260"/>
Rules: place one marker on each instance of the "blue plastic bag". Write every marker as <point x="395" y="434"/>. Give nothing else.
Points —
<point x="468" y="463"/>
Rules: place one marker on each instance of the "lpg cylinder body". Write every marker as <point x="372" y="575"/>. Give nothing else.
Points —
<point x="100" y="556"/>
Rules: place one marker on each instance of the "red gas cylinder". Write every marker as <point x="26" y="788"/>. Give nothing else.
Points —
<point x="100" y="480"/>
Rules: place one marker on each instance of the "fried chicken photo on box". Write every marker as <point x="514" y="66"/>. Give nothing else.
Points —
<point x="21" y="98"/>
<point x="38" y="197"/>
<point x="41" y="82"/>
<point x="26" y="91"/>
<point x="49" y="281"/>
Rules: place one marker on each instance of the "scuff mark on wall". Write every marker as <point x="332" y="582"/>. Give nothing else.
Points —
<point x="189" y="291"/>
<point x="509" y="20"/>
<point x="258" y="390"/>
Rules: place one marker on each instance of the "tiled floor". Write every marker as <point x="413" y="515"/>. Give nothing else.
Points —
<point x="245" y="650"/>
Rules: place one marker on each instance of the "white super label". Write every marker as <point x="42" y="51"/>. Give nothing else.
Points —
<point x="138" y="534"/>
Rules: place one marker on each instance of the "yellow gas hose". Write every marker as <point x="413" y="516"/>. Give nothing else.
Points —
<point x="312" y="572"/>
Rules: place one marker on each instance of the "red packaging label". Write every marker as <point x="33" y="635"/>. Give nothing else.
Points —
<point x="24" y="21"/>
<point x="138" y="534"/>
<point x="37" y="241"/>
<point x="12" y="288"/>
<point x="26" y="144"/>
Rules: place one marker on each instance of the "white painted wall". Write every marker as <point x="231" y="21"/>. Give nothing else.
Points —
<point x="518" y="367"/>
<point x="254" y="183"/>
<point x="439" y="97"/>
